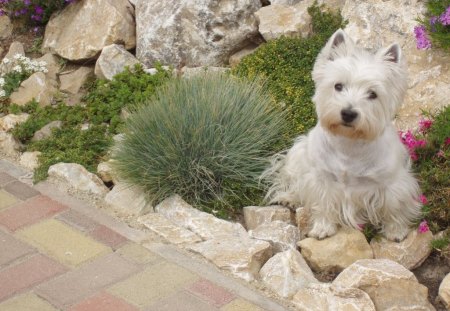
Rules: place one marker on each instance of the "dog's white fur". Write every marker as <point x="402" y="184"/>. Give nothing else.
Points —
<point x="351" y="173"/>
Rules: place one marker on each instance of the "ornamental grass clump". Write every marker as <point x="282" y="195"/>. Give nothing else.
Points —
<point x="206" y="138"/>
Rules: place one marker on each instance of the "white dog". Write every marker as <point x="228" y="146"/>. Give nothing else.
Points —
<point x="351" y="168"/>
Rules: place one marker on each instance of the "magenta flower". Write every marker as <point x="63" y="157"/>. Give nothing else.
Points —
<point x="424" y="125"/>
<point x="423" y="227"/>
<point x="445" y="17"/>
<point x="447" y="141"/>
<point x="422" y="41"/>
<point x="361" y="227"/>
<point x="412" y="143"/>
<point x="423" y="199"/>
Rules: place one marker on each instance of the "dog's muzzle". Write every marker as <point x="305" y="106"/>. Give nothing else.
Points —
<point x="348" y="115"/>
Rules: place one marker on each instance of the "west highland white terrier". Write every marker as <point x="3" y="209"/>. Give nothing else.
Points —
<point x="351" y="168"/>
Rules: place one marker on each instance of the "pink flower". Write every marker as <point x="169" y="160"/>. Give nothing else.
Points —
<point x="361" y="227"/>
<point x="423" y="227"/>
<point x="411" y="143"/>
<point x="447" y="141"/>
<point x="440" y="153"/>
<point x="424" y="125"/>
<point x="423" y="199"/>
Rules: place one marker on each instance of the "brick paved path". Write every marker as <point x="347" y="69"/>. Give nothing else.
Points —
<point x="60" y="256"/>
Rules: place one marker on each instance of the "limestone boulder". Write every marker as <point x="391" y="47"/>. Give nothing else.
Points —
<point x="337" y="252"/>
<point x="282" y="236"/>
<point x="10" y="121"/>
<point x="113" y="60"/>
<point x="46" y="131"/>
<point x="37" y="87"/>
<point x="390" y="285"/>
<point x="78" y="178"/>
<point x="444" y="291"/>
<point x="84" y="28"/>
<point x="286" y="273"/>
<point x="203" y="224"/>
<point x="240" y="256"/>
<point x="372" y="24"/>
<point x="319" y="297"/>
<point x="167" y="230"/>
<point x="72" y="81"/>
<point x="30" y="159"/>
<point x="128" y="200"/>
<point x="8" y="145"/>
<point x="5" y="27"/>
<point x="410" y="253"/>
<point x="255" y="216"/>
<point x="193" y="33"/>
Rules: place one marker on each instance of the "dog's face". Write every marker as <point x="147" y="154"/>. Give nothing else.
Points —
<point x="357" y="92"/>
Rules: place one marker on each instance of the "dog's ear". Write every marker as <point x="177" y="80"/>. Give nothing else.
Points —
<point x="392" y="53"/>
<point x="338" y="44"/>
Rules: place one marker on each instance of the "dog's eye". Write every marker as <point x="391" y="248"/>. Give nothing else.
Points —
<point x="338" y="87"/>
<point x="372" y="95"/>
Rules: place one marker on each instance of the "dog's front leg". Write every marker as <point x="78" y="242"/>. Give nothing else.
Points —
<point x="321" y="226"/>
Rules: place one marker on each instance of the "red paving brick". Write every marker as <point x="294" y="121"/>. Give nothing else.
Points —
<point x="29" y="212"/>
<point x="103" y="302"/>
<point x="211" y="292"/>
<point x="21" y="190"/>
<point x="12" y="249"/>
<point x="78" y="220"/>
<point x="31" y="272"/>
<point x="107" y="236"/>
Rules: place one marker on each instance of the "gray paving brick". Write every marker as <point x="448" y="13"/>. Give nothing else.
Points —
<point x="12" y="249"/>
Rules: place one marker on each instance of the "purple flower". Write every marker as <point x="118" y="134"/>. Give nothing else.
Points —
<point x="423" y="227"/>
<point x="445" y="17"/>
<point x="27" y="2"/>
<point x="422" y="41"/>
<point x="2" y="12"/>
<point x="36" y="18"/>
<point x="38" y="10"/>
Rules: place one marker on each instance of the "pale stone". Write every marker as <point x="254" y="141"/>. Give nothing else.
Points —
<point x="242" y="257"/>
<point x="285" y="2"/>
<point x="30" y="160"/>
<point x="170" y="232"/>
<point x="302" y="216"/>
<point x="128" y="199"/>
<point x="52" y="65"/>
<point x="105" y="172"/>
<point x="255" y="216"/>
<point x="410" y="253"/>
<point x="46" y="131"/>
<point x="10" y="121"/>
<point x="5" y="27"/>
<point x="193" y="33"/>
<point x="113" y="60"/>
<point x="72" y="81"/>
<point x="37" y="87"/>
<point x="153" y="71"/>
<point x="444" y="291"/>
<point x="203" y="224"/>
<point x="337" y="252"/>
<point x="286" y="273"/>
<point x="78" y="178"/>
<point x="373" y="25"/>
<point x="320" y="297"/>
<point x="236" y="58"/>
<point x="195" y="71"/>
<point x="8" y="145"/>
<point x="278" y="20"/>
<point x="390" y="285"/>
<point x="282" y="236"/>
<point x="16" y="48"/>
<point x="84" y="28"/>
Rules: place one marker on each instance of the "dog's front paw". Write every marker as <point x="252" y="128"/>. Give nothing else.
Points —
<point x="321" y="231"/>
<point x="396" y="233"/>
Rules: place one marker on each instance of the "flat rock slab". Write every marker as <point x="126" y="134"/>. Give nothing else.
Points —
<point x="113" y="60"/>
<point x="410" y="253"/>
<point x="257" y="215"/>
<point x="71" y="82"/>
<point x="128" y="200"/>
<point x="241" y="257"/>
<point x="37" y="87"/>
<point x="282" y="236"/>
<point x="390" y="285"/>
<point x="286" y="273"/>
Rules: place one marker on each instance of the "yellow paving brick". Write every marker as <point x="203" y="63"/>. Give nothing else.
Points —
<point x="6" y="199"/>
<point x="154" y="283"/>
<point x="62" y="242"/>
<point x="240" y="304"/>
<point x="28" y="302"/>
<point x="138" y="253"/>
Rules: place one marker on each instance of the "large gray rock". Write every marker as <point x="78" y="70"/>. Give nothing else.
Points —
<point x="282" y="236"/>
<point x="242" y="257"/>
<point x="193" y="33"/>
<point x="37" y="87"/>
<point x="85" y="27"/>
<point x="113" y="60"/>
<point x="444" y="291"/>
<point x="71" y="82"/>
<point x="255" y="216"/>
<point x="373" y="25"/>
<point x="390" y="285"/>
<point x="10" y="121"/>
<point x="5" y="27"/>
<point x="286" y="273"/>
<point x="128" y="200"/>
<point x="337" y="252"/>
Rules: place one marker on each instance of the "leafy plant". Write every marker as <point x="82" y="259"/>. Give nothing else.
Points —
<point x="434" y="28"/>
<point x="205" y="138"/>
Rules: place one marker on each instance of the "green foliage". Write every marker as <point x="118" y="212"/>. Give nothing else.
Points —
<point x="286" y="64"/>
<point x="440" y="243"/>
<point x="206" y="138"/>
<point x="439" y="33"/>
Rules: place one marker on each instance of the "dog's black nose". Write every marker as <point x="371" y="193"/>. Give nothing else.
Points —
<point x="348" y="115"/>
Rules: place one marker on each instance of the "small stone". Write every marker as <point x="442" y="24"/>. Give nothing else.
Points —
<point x="240" y="256"/>
<point x="302" y="216"/>
<point x="71" y="82"/>
<point x="319" y="297"/>
<point x="255" y="216"/>
<point x="236" y="58"/>
<point x="411" y="252"/>
<point x="14" y="49"/>
<point x="46" y="131"/>
<point x="286" y="273"/>
<point x="105" y="171"/>
<point x="337" y="252"/>
<point x="37" y="87"/>
<point x="203" y="224"/>
<point x="164" y="228"/>
<point x="78" y="178"/>
<point x="113" y="60"/>
<point x="153" y="71"/>
<point x="195" y="71"/>
<point x="8" y="145"/>
<point x="30" y="160"/>
<point x="282" y="236"/>
<point x="390" y="285"/>
<point x="128" y="199"/>
<point x="10" y="121"/>
<point x="52" y="65"/>
<point x="444" y="291"/>
<point x="5" y="27"/>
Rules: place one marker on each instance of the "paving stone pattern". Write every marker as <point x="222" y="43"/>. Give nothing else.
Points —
<point x="53" y="257"/>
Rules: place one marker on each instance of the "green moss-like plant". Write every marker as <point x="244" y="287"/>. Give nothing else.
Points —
<point x="206" y="138"/>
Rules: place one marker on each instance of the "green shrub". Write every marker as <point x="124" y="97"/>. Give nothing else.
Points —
<point x="435" y="26"/>
<point x="286" y="64"/>
<point x="206" y="138"/>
